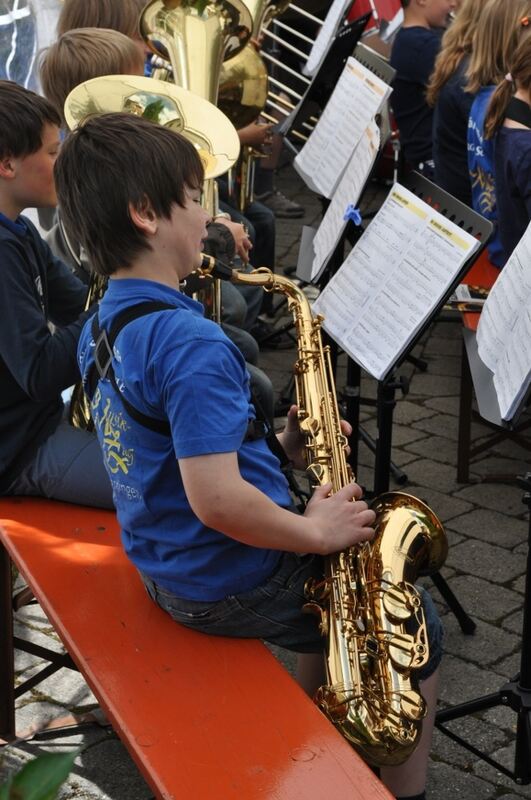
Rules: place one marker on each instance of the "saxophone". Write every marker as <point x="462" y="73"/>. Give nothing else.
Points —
<point x="368" y="608"/>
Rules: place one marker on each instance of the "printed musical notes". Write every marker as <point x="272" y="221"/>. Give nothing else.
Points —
<point x="357" y="98"/>
<point x="504" y="330"/>
<point x="347" y="193"/>
<point x="392" y="280"/>
<point x="326" y="34"/>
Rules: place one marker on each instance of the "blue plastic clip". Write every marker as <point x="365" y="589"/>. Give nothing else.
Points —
<point x="352" y="214"/>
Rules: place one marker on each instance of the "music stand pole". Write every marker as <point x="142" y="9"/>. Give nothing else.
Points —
<point x="515" y="694"/>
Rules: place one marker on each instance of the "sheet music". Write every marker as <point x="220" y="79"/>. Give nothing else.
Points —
<point x="392" y="280"/>
<point x="326" y="34"/>
<point x="347" y="193"/>
<point x="504" y="330"/>
<point x="355" y="101"/>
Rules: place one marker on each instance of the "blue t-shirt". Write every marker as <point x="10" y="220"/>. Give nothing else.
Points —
<point x="413" y="56"/>
<point x="481" y="170"/>
<point x="175" y="365"/>
<point x="512" y="167"/>
<point x="450" y="123"/>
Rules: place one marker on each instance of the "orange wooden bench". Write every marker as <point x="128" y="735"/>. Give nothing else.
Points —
<point x="201" y="716"/>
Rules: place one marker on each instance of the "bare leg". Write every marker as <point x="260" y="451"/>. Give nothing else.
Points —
<point x="310" y="672"/>
<point x="409" y="778"/>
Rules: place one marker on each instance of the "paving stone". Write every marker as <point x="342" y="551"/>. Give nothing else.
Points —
<point x="504" y="756"/>
<point x="436" y="448"/>
<point x="487" y="601"/>
<point x="509" y="667"/>
<point x="462" y="681"/>
<point x="446" y="506"/>
<point x="428" y="473"/>
<point x="481" y="734"/>
<point x="500" y="497"/>
<point x="66" y="688"/>
<point x="486" y="561"/>
<point x="439" y="345"/>
<point x="491" y="526"/>
<point x="487" y="645"/>
<point x="446" y="405"/>
<point x="443" y="365"/>
<point x="444" y="425"/>
<point x="514" y="622"/>
<point x="519" y="584"/>
<point x="451" y="782"/>
<point x="403" y="435"/>
<point x="407" y="412"/>
<point x="490" y="467"/>
<point x="427" y="385"/>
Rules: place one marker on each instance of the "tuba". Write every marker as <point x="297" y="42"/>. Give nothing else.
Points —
<point x="368" y="608"/>
<point x="209" y="130"/>
<point x="195" y="36"/>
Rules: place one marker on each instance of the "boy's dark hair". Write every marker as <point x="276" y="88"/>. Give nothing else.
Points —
<point x="23" y="115"/>
<point x="405" y="3"/>
<point x="113" y="161"/>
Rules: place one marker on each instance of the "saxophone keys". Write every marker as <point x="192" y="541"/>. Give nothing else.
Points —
<point x="400" y="602"/>
<point x="412" y="705"/>
<point x="317" y="611"/>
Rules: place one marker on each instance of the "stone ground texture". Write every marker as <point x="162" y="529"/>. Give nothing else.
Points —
<point x="487" y="530"/>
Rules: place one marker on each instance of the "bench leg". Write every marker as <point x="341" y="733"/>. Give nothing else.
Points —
<point x="7" y="655"/>
<point x="465" y="420"/>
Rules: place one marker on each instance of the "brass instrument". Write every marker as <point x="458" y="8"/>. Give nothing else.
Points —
<point x="368" y="607"/>
<point x="209" y="130"/>
<point x="195" y="36"/>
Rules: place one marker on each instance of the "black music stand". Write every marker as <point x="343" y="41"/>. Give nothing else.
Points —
<point x="481" y="229"/>
<point x="515" y="694"/>
<point x="323" y="83"/>
<point x="478" y="227"/>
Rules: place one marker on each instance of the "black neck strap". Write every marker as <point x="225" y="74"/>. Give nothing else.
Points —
<point x="519" y="111"/>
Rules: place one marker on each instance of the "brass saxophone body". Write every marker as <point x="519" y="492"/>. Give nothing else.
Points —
<point x="369" y="610"/>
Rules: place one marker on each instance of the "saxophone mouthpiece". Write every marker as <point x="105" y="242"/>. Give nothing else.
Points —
<point x="213" y="268"/>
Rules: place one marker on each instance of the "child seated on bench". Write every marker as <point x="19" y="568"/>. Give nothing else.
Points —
<point x="40" y="453"/>
<point x="203" y="506"/>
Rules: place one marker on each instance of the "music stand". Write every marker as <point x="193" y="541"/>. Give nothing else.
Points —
<point x="318" y="92"/>
<point x="515" y="694"/>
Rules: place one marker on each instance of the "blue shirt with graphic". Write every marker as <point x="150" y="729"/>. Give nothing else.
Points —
<point x="178" y="366"/>
<point x="481" y="170"/>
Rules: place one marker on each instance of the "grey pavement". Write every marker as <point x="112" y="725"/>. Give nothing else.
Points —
<point x="486" y="524"/>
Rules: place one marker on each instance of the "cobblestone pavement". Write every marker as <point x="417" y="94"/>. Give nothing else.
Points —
<point x="487" y="529"/>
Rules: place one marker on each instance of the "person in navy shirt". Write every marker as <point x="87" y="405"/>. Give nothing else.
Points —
<point x="413" y="57"/>
<point x="41" y="315"/>
<point x="508" y="125"/>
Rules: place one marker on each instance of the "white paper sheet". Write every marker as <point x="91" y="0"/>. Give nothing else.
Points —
<point x="392" y="280"/>
<point x="347" y="193"/>
<point x="504" y="330"/>
<point x="326" y="33"/>
<point x="355" y="101"/>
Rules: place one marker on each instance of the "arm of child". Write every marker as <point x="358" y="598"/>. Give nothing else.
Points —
<point x="224" y="501"/>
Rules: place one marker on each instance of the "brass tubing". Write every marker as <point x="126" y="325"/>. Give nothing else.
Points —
<point x="280" y="64"/>
<point x="281" y="41"/>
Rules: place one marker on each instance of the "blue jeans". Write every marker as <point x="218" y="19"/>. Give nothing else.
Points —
<point x="273" y="611"/>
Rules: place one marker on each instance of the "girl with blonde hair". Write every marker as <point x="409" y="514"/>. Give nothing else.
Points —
<point x="503" y="24"/>
<point x="508" y="123"/>
<point x="446" y="94"/>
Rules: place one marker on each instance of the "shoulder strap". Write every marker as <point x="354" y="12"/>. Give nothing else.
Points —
<point x="519" y="111"/>
<point x="102" y="366"/>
